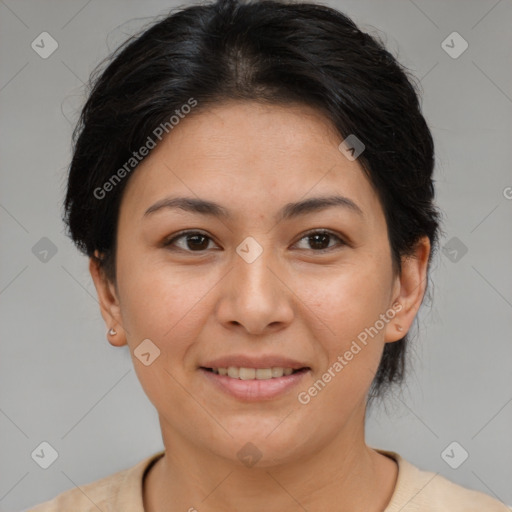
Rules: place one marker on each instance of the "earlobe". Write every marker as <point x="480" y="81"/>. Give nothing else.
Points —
<point x="114" y="338"/>
<point x="109" y="304"/>
<point x="411" y="285"/>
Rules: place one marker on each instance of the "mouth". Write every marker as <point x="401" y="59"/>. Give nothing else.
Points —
<point x="254" y="384"/>
<point x="244" y="373"/>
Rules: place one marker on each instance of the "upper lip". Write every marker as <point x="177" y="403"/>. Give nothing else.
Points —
<point x="244" y="361"/>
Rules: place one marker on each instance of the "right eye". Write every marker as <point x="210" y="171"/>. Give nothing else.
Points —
<point x="191" y="241"/>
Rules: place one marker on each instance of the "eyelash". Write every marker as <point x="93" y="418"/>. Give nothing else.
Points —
<point x="170" y="241"/>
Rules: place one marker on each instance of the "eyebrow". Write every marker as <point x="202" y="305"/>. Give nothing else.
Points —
<point x="289" y="211"/>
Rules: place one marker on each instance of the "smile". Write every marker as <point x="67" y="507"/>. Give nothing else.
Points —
<point x="253" y="373"/>
<point x="254" y="384"/>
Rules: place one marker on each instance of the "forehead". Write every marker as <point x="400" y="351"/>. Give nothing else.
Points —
<point x="248" y="154"/>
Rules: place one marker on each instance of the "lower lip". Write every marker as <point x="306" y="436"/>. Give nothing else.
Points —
<point x="255" y="389"/>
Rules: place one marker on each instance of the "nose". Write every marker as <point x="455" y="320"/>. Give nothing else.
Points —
<point x="255" y="296"/>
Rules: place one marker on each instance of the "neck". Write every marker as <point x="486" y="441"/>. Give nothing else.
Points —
<point x="344" y="472"/>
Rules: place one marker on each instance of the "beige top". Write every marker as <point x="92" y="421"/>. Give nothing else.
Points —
<point x="415" y="491"/>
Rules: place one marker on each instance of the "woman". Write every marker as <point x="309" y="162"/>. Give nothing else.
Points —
<point x="253" y="185"/>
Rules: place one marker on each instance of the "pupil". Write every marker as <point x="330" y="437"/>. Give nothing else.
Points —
<point x="315" y="238"/>
<point x="195" y="237"/>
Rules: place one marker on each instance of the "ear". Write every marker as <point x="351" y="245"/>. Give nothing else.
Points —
<point x="109" y="303"/>
<point x="409" y="290"/>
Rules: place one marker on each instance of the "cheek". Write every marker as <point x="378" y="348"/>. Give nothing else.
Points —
<point x="155" y="296"/>
<point x="165" y="304"/>
<point x="167" y="308"/>
<point x="347" y="299"/>
<point x="346" y="305"/>
<point x="344" y="308"/>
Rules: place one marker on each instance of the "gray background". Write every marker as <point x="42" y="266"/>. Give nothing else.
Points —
<point x="61" y="381"/>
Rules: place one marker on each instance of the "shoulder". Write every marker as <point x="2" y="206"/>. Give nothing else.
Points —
<point x="418" y="490"/>
<point x="445" y="494"/>
<point x="122" y="489"/>
<point x="84" y="498"/>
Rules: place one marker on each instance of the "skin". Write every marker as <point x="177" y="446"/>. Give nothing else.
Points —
<point x="292" y="301"/>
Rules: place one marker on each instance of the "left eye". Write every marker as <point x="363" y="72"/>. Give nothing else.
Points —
<point x="194" y="241"/>
<point x="319" y="240"/>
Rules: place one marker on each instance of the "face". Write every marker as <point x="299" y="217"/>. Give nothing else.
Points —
<point x="258" y="281"/>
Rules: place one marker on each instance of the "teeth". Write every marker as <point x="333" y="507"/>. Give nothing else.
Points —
<point x="253" y="373"/>
<point x="247" y="373"/>
<point x="264" y="373"/>
<point x="233" y="372"/>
